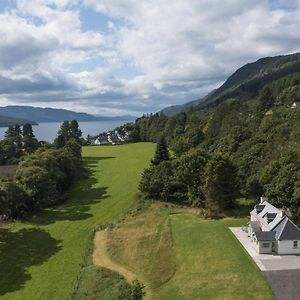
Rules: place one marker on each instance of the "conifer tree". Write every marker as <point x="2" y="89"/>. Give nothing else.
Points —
<point x="161" y="153"/>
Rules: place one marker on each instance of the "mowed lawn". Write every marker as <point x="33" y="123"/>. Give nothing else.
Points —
<point x="210" y="263"/>
<point x="41" y="258"/>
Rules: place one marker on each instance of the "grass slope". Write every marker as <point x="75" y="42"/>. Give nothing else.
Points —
<point x="180" y="256"/>
<point x="40" y="259"/>
<point x="210" y="263"/>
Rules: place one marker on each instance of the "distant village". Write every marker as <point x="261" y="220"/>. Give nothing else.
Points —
<point x="114" y="137"/>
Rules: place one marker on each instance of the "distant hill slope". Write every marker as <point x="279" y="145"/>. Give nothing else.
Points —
<point x="245" y="82"/>
<point x="6" y="121"/>
<point x="39" y="114"/>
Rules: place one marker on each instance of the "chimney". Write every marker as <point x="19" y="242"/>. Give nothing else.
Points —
<point x="263" y="198"/>
<point x="284" y="211"/>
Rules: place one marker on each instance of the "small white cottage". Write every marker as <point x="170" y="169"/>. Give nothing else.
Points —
<point x="295" y="105"/>
<point x="272" y="231"/>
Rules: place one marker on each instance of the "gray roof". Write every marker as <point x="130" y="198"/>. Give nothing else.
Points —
<point x="265" y="235"/>
<point x="287" y="230"/>
<point x="255" y="224"/>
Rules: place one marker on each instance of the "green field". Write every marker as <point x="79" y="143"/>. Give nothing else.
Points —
<point x="210" y="263"/>
<point x="202" y="260"/>
<point x="41" y="258"/>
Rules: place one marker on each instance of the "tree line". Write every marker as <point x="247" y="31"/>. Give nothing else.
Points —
<point x="251" y="145"/>
<point x="43" y="176"/>
<point x="194" y="179"/>
<point x="17" y="142"/>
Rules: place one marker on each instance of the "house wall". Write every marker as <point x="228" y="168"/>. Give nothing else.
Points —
<point x="286" y="247"/>
<point x="265" y="250"/>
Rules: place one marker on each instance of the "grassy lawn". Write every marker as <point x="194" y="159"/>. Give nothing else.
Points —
<point x="41" y="258"/>
<point x="180" y="256"/>
<point x="210" y="263"/>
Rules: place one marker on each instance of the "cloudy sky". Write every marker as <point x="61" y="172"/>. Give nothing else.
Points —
<point x="116" y="57"/>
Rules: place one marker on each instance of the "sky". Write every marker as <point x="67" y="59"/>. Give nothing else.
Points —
<point x="130" y="57"/>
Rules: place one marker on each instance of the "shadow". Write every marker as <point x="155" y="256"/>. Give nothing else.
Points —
<point x="241" y="209"/>
<point x="21" y="250"/>
<point x="83" y="194"/>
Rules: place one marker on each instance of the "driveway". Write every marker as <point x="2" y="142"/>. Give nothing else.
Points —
<point x="266" y="262"/>
<point x="282" y="272"/>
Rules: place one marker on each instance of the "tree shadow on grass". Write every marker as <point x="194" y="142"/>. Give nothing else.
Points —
<point x="83" y="194"/>
<point x="21" y="250"/>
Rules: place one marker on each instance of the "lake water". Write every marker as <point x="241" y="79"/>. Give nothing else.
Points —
<point x="48" y="131"/>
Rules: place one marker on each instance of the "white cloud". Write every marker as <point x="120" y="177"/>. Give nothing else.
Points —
<point x="180" y="49"/>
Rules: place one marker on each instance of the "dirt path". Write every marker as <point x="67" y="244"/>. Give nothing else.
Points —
<point x="102" y="259"/>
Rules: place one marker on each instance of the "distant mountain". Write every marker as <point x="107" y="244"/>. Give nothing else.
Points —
<point x="39" y="114"/>
<point x="245" y="82"/>
<point x="6" y="121"/>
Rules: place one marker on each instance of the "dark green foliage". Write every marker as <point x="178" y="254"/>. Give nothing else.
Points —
<point x="137" y="290"/>
<point x="265" y="100"/>
<point x="17" y="142"/>
<point x="41" y="178"/>
<point x="68" y="131"/>
<point x="161" y="153"/>
<point x="221" y="184"/>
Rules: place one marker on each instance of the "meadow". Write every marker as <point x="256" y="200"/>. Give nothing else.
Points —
<point x="41" y="257"/>
<point x="180" y="256"/>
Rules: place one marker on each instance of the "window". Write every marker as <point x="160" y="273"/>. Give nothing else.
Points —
<point x="266" y="245"/>
<point x="295" y="244"/>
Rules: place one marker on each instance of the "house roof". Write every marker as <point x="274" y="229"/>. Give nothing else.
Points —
<point x="287" y="230"/>
<point x="265" y="235"/>
<point x="255" y="224"/>
<point x="267" y="214"/>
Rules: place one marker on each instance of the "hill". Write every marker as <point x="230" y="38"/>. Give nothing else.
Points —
<point x="5" y="121"/>
<point x="245" y="82"/>
<point x="39" y="114"/>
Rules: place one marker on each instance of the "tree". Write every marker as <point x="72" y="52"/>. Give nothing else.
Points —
<point x="37" y="184"/>
<point x="30" y="143"/>
<point x="28" y="131"/>
<point x="161" y="153"/>
<point x="75" y="132"/>
<point x="221" y="187"/>
<point x="67" y="131"/>
<point x="265" y="99"/>
<point x="191" y="171"/>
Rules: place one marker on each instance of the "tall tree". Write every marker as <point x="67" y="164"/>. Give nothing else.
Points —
<point x="75" y="132"/>
<point x="265" y="99"/>
<point x="161" y="153"/>
<point x="30" y="143"/>
<point x="28" y="131"/>
<point x="221" y="187"/>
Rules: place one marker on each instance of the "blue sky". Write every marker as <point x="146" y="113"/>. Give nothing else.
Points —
<point x="116" y="57"/>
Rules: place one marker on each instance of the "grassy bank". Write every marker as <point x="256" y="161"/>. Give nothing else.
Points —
<point x="41" y="258"/>
<point x="181" y="256"/>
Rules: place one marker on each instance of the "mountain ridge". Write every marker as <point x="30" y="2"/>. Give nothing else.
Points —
<point x="244" y="82"/>
<point x="41" y="115"/>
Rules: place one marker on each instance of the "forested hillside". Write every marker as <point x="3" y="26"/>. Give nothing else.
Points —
<point x="7" y="121"/>
<point x="245" y="83"/>
<point x="247" y="145"/>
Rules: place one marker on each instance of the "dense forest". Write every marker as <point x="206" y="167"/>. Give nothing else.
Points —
<point x="240" y="147"/>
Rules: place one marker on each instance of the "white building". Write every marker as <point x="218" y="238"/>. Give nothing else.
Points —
<point x="272" y="231"/>
<point x="295" y="105"/>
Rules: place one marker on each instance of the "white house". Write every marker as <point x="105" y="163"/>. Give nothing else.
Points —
<point x="272" y="231"/>
<point x="295" y="105"/>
